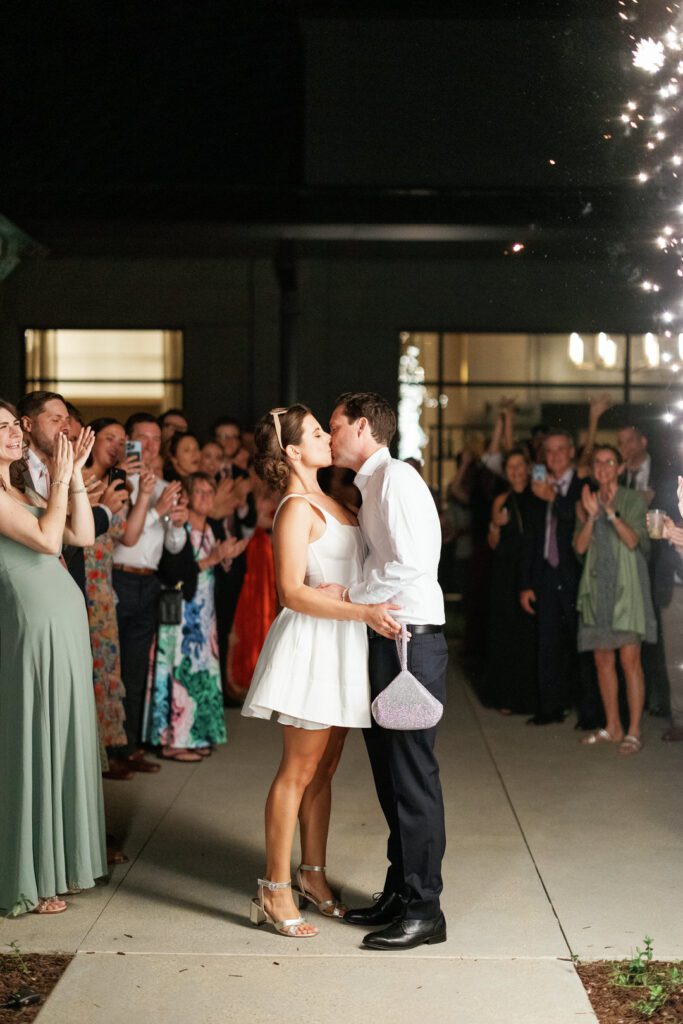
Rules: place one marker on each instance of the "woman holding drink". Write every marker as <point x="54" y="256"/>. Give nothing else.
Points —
<point x="614" y="601"/>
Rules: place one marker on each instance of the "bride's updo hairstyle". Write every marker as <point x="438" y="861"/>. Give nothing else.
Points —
<point x="270" y="460"/>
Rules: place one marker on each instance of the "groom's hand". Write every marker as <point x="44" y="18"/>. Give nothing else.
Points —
<point x="334" y="590"/>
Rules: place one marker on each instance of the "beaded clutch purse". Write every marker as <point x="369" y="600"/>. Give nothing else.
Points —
<point x="405" y="703"/>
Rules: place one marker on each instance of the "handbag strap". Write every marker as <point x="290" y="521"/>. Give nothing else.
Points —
<point x="402" y="648"/>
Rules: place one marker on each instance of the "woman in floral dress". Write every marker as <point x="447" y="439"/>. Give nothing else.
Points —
<point x="104" y="634"/>
<point x="184" y="712"/>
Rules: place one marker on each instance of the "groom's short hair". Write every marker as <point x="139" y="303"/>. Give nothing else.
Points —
<point x="374" y="408"/>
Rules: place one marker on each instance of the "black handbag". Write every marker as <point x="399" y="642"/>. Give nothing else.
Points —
<point x="171" y="606"/>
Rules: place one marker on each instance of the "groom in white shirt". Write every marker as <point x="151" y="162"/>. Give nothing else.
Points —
<point x="401" y="527"/>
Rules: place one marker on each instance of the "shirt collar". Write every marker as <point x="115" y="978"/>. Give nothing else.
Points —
<point x="562" y="482"/>
<point x="36" y="463"/>
<point x="377" y="459"/>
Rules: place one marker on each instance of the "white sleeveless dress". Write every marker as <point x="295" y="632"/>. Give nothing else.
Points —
<point x="313" y="673"/>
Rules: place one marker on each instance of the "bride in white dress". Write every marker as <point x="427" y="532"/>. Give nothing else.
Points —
<point x="313" y="669"/>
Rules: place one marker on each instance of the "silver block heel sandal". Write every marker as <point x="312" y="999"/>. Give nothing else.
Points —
<point x="328" y="908"/>
<point x="259" y="915"/>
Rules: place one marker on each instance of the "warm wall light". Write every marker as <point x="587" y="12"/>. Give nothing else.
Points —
<point x="576" y="348"/>
<point x="607" y="350"/>
<point x="651" y="350"/>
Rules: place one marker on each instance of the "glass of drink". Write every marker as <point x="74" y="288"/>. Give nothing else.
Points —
<point x="655" y="523"/>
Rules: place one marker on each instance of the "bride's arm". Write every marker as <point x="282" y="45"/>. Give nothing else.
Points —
<point x="294" y="529"/>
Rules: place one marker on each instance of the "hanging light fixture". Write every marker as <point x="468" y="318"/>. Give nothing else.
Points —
<point x="607" y="350"/>
<point x="651" y="350"/>
<point x="576" y="349"/>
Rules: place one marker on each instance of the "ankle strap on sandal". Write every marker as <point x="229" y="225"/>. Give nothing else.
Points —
<point x="264" y="883"/>
<point x="310" y="867"/>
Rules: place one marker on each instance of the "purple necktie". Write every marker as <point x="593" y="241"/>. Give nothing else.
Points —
<point x="553" y="552"/>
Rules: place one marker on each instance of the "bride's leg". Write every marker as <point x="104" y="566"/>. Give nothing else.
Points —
<point x="303" y="750"/>
<point x="314" y="815"/>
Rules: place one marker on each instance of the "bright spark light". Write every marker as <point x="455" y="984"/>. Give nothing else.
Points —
<point x="668" y="417"/>
<point x="653" y="117"/>
<point x="649" y="55"/>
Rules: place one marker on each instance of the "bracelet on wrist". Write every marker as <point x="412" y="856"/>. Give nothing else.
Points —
<point x="64" y="483"/>
<point x="79" y="490"/>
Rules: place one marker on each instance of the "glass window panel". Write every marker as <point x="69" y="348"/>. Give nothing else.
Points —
<point x="656" y="359"/>
<point x="111" y="367"/>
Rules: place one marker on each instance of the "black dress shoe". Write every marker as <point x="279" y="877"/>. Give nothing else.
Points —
<point x="389" y="907"/>
<point x="407" y="934"/>
<point x="554" y="716"/>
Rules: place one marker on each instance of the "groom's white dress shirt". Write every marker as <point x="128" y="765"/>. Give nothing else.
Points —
<point x="401" y="526"/>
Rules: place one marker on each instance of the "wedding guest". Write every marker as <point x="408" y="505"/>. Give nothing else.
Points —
<point x="44" y="415"/>
<point x="52" y="838"/>
<point x="211" y="459"/>
<point x="512" y="658"/>
<point x="137" y="586"/>
<point x="669" y="588"/>
<point x="182" y="458"/>
<point x="126" y="527"/>
<point x="171" y="422"/>
<point x="236" y="506"/>
<point x="549" y="578"/>
<point x="258" y="604"/>
<point x="614" y="602"/>
<point x="185" y="703"/>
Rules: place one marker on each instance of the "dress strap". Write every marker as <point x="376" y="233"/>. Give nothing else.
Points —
<point x="306" y="498"/>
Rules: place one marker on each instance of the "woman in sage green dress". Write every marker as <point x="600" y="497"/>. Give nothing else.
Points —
<point x="614" y="601"/>
<point x="52" y="837"/>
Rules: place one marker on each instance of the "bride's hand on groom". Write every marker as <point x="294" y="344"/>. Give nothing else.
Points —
<point x="377" y="617"/>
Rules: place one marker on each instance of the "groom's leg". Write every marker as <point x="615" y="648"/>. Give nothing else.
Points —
<point x="414" y="772"/>
<point x="385" y="666"/>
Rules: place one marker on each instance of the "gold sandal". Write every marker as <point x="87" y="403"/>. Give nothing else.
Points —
<point x="328" y="908"/>
<point x="259" y="915"/>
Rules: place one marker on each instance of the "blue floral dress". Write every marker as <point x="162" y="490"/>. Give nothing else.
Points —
<point x="184" y="705"/>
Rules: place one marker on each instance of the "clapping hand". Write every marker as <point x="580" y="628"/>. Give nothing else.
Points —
<point x="82" y="448"/>
<point x="63" y="459"/>
<point x="95" y="488"/>
<point x="169" y="498"/>
<point x="589" y="500"/>
<point x="179" y="512"/>
<point x="230" y="548"/>
<point x="147" y="481"/>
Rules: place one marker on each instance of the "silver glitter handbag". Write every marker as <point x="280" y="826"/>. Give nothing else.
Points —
<point x="405" y="703"/>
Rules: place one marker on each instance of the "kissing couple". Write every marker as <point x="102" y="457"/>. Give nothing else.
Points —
<point x="346" y="587"/>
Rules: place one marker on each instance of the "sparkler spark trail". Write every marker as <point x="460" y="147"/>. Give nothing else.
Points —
<point x="653" y="116"/>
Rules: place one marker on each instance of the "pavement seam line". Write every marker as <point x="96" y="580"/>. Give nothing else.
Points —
<point x="469" y="696"/>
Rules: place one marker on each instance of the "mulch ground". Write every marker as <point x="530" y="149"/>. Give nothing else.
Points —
<point x="614" y="1005"/>
<point x="37" y="971"/>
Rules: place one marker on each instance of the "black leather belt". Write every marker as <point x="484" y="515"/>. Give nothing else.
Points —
<point x="413" y="630"/>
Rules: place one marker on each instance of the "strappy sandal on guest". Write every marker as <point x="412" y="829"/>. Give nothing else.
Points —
<point x="601" y="736"/>
<point x="328" y="908"/>
<point x="630" y="745"/>
<point x="52" y="905"/>
<point x="259" y="915"/>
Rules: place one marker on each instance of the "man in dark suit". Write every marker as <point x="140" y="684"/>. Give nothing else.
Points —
<point x="550" y="577"/>
<point x="44" y="415"/>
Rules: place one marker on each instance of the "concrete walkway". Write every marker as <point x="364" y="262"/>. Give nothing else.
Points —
<point x="553" y="849"/>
